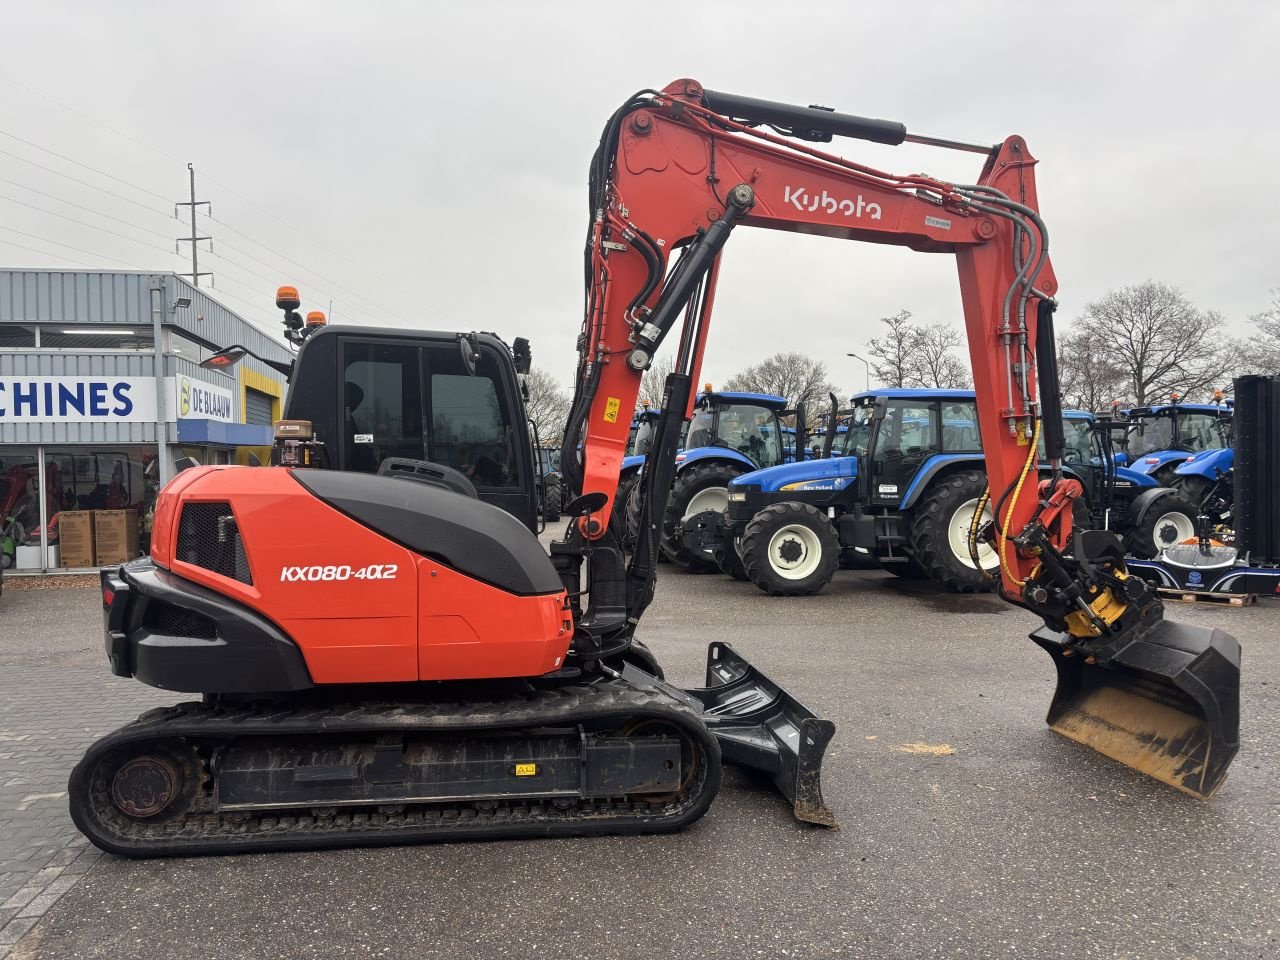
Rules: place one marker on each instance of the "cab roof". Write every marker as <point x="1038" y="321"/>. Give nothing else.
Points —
<point x="769" y="400"/>
<point x="916" y="393"/>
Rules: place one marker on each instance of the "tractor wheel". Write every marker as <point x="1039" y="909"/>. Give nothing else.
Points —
<point x="938" y="531"/>
<point x="622" y="509"/>
<point x="1170" y="520"/>
<point x="1191" y="489"/>
<point x="699" y="488"/>
<point x="790" y="550"/>
<point x="551" y="498"/>
<point x="730" y="562"/>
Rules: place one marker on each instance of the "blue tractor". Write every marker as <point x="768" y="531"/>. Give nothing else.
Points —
<point x="730" y="433"/>
<point x="902" y="489"/>
<point x="1162" y="437"/>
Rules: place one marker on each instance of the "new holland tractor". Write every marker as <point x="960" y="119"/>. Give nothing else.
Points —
<point x="1162" y="437"/>
<point x="902" y="489"/>
<point x="731" y="433"/>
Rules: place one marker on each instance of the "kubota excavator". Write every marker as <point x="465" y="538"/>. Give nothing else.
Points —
<point x="387" y="658"/>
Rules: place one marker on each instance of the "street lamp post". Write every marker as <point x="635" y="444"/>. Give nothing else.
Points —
<point x="865" y="364"/>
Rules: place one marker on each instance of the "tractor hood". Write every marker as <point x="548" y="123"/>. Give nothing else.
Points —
<point x="834" y="474"/>
<point x="1208" y="464"/>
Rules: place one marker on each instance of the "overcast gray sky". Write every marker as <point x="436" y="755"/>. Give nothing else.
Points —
<point x="434" y="155"/>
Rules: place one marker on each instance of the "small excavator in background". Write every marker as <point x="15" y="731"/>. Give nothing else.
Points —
<point x="391" y="657"/>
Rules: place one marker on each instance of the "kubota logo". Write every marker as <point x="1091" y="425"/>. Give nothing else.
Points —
<point x="801" y="199"/>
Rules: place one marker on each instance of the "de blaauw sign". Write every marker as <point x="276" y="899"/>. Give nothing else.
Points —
<point x="77" y="399"/>
<point x="195" y="399"/>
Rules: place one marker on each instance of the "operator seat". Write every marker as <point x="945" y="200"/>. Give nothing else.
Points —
<point x="361" y="456"/>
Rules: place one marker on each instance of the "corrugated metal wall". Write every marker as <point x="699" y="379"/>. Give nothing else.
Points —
<point x="53" y="296"/>
<point x="77" y="365"/>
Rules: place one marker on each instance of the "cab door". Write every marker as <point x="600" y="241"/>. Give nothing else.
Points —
<point x="905" y="438"/>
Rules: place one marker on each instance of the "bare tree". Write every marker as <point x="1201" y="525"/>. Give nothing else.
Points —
<point x="909" y="355"/>
<point x="791" y="375"/>
<point x="891" y="353"/>
<point x="654" y="380"/>
<point x="548" y="404"/>
<point x="1159" y="340"/>
<point x="1091" y="378"/>
<point x="1262" y="351"/>
<point x="934" y="361"/>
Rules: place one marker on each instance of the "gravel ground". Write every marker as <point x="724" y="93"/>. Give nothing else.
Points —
<point x="995" y="838"/>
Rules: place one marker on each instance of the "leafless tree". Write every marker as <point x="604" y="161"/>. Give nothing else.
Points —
<point x="1091" y="378"/>
<point x="909" y="355"/>
<point x="1160" y="341"/>
<point x="1262" y="352"/>
<point x="934" y="359"/>
<point x="792" y="375"/>
<point x="548" y="404"/>
<point x="654" y="380"/>
<point x="891" y="354"/>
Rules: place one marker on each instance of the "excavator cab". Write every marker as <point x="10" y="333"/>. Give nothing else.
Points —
<point x="377" y="395"/>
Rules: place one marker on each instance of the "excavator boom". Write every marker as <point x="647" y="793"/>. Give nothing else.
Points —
<point x="676" y="172"/>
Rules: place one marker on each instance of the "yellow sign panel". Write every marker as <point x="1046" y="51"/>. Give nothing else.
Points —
<point x="526" y="769"/>
<point x="611" y="406"/>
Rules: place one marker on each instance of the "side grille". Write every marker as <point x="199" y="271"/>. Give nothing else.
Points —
<point x="208" y="537"/>
<point x="165" y="618"/>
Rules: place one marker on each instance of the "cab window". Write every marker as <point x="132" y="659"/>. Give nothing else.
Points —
<point x="402" y="400"/>
<point x="752" y="431"/>
<point x="960" y="427"/>
<point x="909" y="430"/>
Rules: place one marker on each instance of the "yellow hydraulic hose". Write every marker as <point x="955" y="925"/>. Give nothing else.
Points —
<point x="1013" y="502"/>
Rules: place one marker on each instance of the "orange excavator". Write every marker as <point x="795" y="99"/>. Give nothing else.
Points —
<point x="391" y="656"/>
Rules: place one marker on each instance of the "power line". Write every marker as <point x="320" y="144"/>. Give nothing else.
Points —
<point x="54" y="213"/>
<point x="45" y="253"/>
<point x="276" y="281"/>
<point x="304" y="267"/>
<point x="85" y="116"/>
<point x="56" y="243"/>
<point x="81" y="206"/>
<point x="101" y="173"/>
<point x="86" y="183"/>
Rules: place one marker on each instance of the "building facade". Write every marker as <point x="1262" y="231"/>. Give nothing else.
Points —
<point x="101" y="395"/>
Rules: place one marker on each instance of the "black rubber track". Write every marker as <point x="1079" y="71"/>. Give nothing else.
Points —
<point x="201" y="829"/>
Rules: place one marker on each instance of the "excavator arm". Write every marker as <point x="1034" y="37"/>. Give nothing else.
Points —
<point x="675" y="173"/>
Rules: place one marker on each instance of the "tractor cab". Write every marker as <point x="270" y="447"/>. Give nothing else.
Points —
<point x="642" y="427"/>
<point x="1162" y="437"/>
<point x="744" y="426"/>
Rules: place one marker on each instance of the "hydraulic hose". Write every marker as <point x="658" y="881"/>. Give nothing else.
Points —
<point x="1013" y="503"/>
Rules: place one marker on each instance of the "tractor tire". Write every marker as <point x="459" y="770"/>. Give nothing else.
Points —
<point x="700" y="487"/>
<point x="552" y="494"/>
<point x="938" y="531"/>
<point x="622" y="509"/>
<point x="790" y="550"/>
<point x="1170" y="520"/>
<point x="730" y="563"/>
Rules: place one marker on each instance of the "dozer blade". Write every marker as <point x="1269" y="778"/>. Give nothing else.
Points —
<point x="1166" y="702"/>
<point x="760" y="726"/>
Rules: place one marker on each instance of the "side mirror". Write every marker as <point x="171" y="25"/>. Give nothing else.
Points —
<point x="470" y="356"/>
<point x="522" y="355"/>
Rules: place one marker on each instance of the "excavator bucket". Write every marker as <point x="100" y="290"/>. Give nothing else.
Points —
<point x="759" y="726"/>
<point x="1167" y="703"/>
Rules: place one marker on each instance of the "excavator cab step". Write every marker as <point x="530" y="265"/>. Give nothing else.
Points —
<point x="1167" y="703"/>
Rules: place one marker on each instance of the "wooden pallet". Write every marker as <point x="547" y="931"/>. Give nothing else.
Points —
<point x="1205" y="596"/>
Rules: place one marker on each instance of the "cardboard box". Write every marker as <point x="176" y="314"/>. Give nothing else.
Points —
<point x="75" y="538"/>
<point x="115" y="536"/>
<point x="28" y="558"/>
